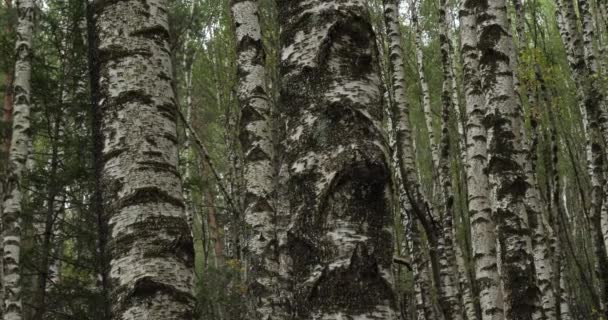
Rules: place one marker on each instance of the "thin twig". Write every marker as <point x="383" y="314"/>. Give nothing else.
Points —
<point x="207" y="158"/>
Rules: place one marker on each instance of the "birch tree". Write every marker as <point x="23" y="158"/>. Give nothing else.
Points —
<point x="18" y="154"/>
<point x="335" y="162"/>
<point x="259" y="170"/>
<point x="150" y="243"/>
<point x="483" y="227"/>
<point x="504" y="124"/>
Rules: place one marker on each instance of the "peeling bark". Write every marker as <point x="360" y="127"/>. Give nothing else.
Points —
<point x="150" y="243"/>
<point x="336" y="163"/>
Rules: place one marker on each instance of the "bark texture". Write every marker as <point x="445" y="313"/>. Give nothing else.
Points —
<point x="508" y="186"/>
<point x="483" y="227"/>
<point x="261" y="249"/>
<point x="18" y="155"/>
<point x="336" y="162"/>
<point x="150" y="243"/>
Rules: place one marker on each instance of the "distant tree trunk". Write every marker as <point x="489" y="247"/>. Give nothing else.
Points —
<point x="214" y="229"/>
<point x="256" y="140"/>
<point x="21" y="138"/>
<point x="7" y="112"/>
<point x="47" y="228"/>
<point x="451" y="299"/>
<point x="336" y="162"/>
<point x="419" y="205"/>
<point x="581" y="57"/>
<point x="504" y="125"/>
<point x="149" y="234"/>
<point x="554" y="233"/>
<point x="541" y="250"/>
<point x="5" y="144"/>
<point x="424" y="86"/>
<point x="188" y="63"/>
<point x="102" y="263"/>
<point x="483" y="227"/>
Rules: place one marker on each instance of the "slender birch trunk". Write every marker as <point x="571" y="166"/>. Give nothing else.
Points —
<point x="424" y="86"/>
<point x="336" y="162"/>
<point x="419" y="205"/>
<point x="483" y="226"/>
<point x="18" y="155"/>
<point x="450" y="300"/>
<point x="188" y="155"/>
<point x="541" y="251"/>
<point x="595" y="100"/>
<point x="581" y="57"/>
<point x="256" y="139"/>
<point x="149" y="234"/>
<point x="508" y="187"/>
<point x="425" y="304"/>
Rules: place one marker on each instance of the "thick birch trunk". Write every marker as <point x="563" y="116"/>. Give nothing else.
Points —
<point x="336" y="162"/>
<point x="508" y="187"/>
<point x="483" y="227"/>
<point x="18" y="155"/>
<point x="150" y="242"/>
<point x="256" y="139"/>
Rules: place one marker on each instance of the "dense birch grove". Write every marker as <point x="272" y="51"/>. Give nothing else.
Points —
<point x="304" y="159"/>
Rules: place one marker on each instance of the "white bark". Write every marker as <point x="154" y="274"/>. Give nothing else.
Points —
<point x="336" y="162"/>
<point x="263" y="265"/>
<point x="450" y="300"/>
<point x="483" y="232"/>
<point x="18" y="155"/>
<point x="150" y="243"/>
<point x="504" y="125"/>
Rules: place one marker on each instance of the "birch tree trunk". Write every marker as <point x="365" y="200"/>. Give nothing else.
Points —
<point x="581" y="58"/>
<point x="541" y="251"/>
<point x="483" y="227"/>
<point x="256" y="140"/>
<point x="18" y="155"/>
<point x="150" y="243"/>
<point x="450" y="301"/>
<point x="504" y="124"/>
<point x="336" y="162"/>
<point x="419" y="204"/>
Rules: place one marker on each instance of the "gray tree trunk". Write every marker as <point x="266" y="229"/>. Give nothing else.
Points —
<point x="336" y="162"/>
<point x="151" y="249"/>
